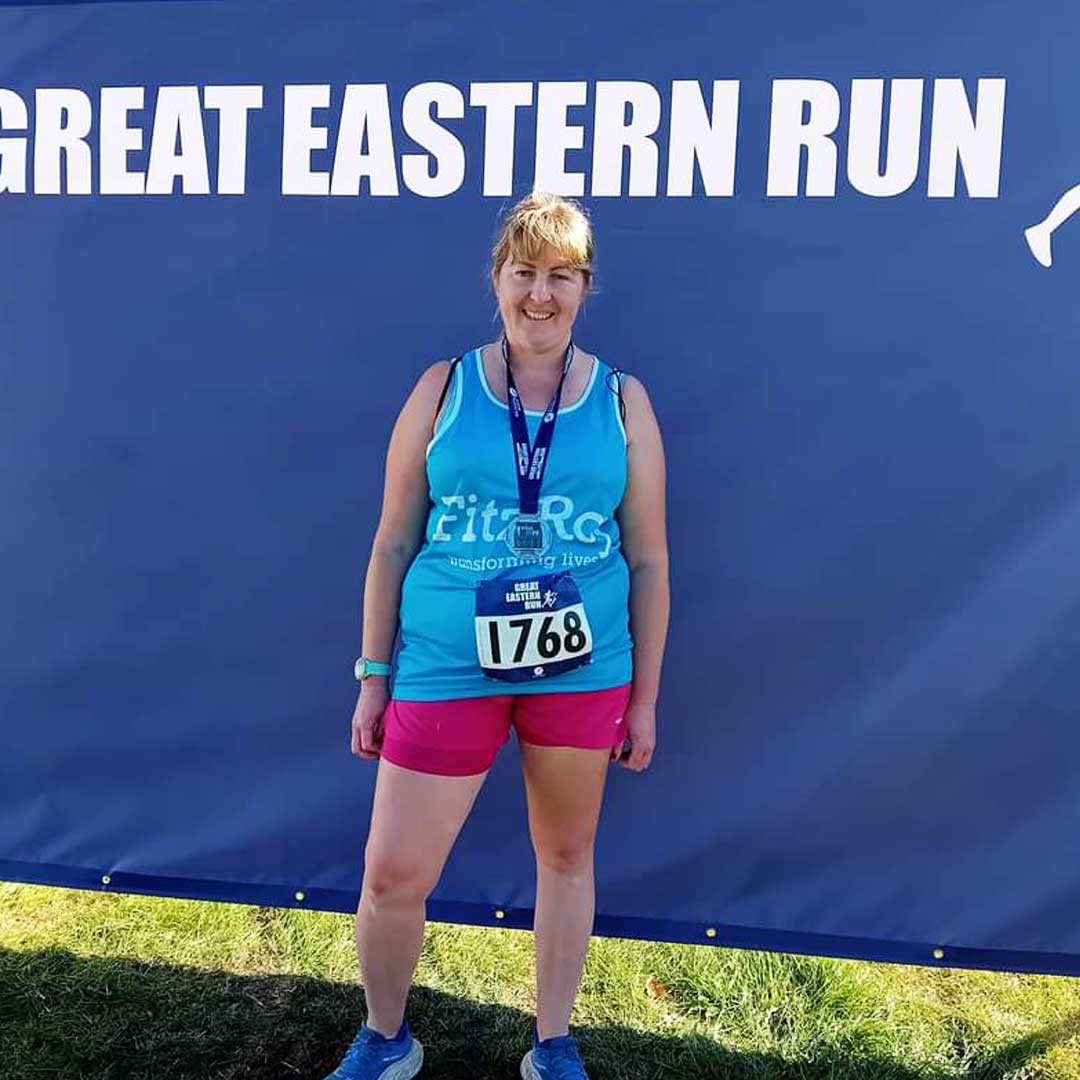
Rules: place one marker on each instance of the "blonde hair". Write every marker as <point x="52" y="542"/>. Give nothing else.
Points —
<point x="542" y="221"/>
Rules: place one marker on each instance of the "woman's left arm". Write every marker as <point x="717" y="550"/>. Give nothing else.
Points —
<point x="643" y="525"/>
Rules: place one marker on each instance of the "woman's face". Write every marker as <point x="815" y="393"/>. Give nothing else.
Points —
<point x="539" y="301"/>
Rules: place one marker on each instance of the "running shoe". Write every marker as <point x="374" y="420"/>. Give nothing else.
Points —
<point x="553" y="1059"/>
<point x="375" y="1057"/>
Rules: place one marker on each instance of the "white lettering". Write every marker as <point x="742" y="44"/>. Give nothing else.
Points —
<point x="500" y="102"/>
<point x="612" y="134"/>
<point x="788" y="134"/>
<point x="554" y="136"/>
<point x="696" y="137"/>
<point x="883" y="131"/>
<point x="591" y="517"/>
<point x="486" y="515"/>
<point x="865" y="135"/>
<point x="62" y="120"/>
<point x="470" y="519"/>
<point x="365" y="113"/>
<point x="558" y="519"/>
<point x="558" y="510"/>
<point x="118" y="140"/>
<point x="13" y="117"/>
<point x="445" y="149"/>
<point x="973" y="141"/>
<point x="300" y="137"/>
<point x="178" y="122"/>
<point x="233" y="104"/>
<point x="447" y="500"/>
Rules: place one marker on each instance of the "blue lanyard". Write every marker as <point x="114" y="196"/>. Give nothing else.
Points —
<point x="531" y="461"/>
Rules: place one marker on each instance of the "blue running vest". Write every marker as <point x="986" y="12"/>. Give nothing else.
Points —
<point x="472" y="485"/>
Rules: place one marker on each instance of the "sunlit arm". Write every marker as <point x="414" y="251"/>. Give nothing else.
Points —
<point x="643" y="525"/>
<point x="401" y="523"/>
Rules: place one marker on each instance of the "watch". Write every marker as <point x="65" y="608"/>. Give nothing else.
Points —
<point x="364" y="668"/>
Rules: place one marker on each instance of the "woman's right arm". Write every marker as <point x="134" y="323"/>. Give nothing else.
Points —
<point x="398" y="537"/>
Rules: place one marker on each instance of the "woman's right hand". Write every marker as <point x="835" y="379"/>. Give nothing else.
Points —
<point x="367" y="721"/>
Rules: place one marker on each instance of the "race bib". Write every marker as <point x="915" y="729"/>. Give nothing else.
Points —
<point x="530" y="628"/>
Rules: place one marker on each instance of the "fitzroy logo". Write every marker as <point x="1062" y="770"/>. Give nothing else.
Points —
<point x="671" y="140"/>
<point x="465" y="519"/>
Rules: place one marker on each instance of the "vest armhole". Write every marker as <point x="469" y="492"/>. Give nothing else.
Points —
<point x="453" y="390"/>
<point x="614" y="381"/>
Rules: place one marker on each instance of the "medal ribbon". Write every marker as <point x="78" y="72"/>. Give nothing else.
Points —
<point x="531" y="460"/>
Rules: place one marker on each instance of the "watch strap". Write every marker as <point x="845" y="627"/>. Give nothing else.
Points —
<point x="365" y="667"/>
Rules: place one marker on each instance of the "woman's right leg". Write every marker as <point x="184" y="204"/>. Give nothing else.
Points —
<point x="414" y="822"/>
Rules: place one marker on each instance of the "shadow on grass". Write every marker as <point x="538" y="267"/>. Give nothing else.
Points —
<point x="64" y="1017"/>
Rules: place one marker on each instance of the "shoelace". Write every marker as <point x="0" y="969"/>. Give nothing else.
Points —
<point x="565" y="1061"/>
<point x="364" y="1048"/>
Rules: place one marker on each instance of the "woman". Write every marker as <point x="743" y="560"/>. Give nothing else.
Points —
<point x="514" y="565"/>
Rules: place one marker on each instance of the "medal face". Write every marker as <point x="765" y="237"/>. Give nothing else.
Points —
<point x="528" y="535"/>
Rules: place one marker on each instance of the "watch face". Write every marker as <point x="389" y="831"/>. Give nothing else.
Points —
<point x="364" y="668"/>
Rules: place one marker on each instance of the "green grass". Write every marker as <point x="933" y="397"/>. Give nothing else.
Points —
<point x="97" y="985"/>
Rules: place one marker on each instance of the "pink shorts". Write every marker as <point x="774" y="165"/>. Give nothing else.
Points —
<point x="461" y="737"/>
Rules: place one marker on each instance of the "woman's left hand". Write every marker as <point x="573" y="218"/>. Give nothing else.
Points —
<point x="641" y="734"/>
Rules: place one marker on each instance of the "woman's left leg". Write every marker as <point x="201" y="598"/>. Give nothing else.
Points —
<point x="565" y="789"/>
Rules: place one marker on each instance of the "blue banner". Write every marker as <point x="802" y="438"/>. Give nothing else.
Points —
<point x="834" y="243"/>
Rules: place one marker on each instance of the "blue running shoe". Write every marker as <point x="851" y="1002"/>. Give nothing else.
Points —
<point x="375" y="1057"/>
<point x="553" y="1059"/>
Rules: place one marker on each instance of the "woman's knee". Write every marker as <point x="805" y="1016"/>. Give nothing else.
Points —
<point x="391" y="878"/>
<point x="565" y="854"/>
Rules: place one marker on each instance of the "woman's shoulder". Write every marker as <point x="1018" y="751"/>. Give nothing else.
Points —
<point x="427" y="391"/>
<point x="634" y="405"/>
<point x="621" y="381"/>
<point x="428" y="387"/>
<point x="612" y="368"/>
<point x="433" y="378"/>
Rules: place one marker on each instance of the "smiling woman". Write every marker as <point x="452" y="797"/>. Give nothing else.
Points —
<point x="514" y="621"/>
<point x="542" y="270"/>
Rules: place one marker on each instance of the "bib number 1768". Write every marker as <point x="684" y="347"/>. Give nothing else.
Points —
<point x="532" y="640"/>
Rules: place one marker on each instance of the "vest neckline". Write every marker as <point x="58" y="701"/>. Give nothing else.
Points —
<point x="479" y="357"/>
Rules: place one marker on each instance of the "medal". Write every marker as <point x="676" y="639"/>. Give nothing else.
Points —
<point x="528" y="535"/>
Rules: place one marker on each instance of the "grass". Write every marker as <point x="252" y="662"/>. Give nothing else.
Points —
<point x="110" y="987"/>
